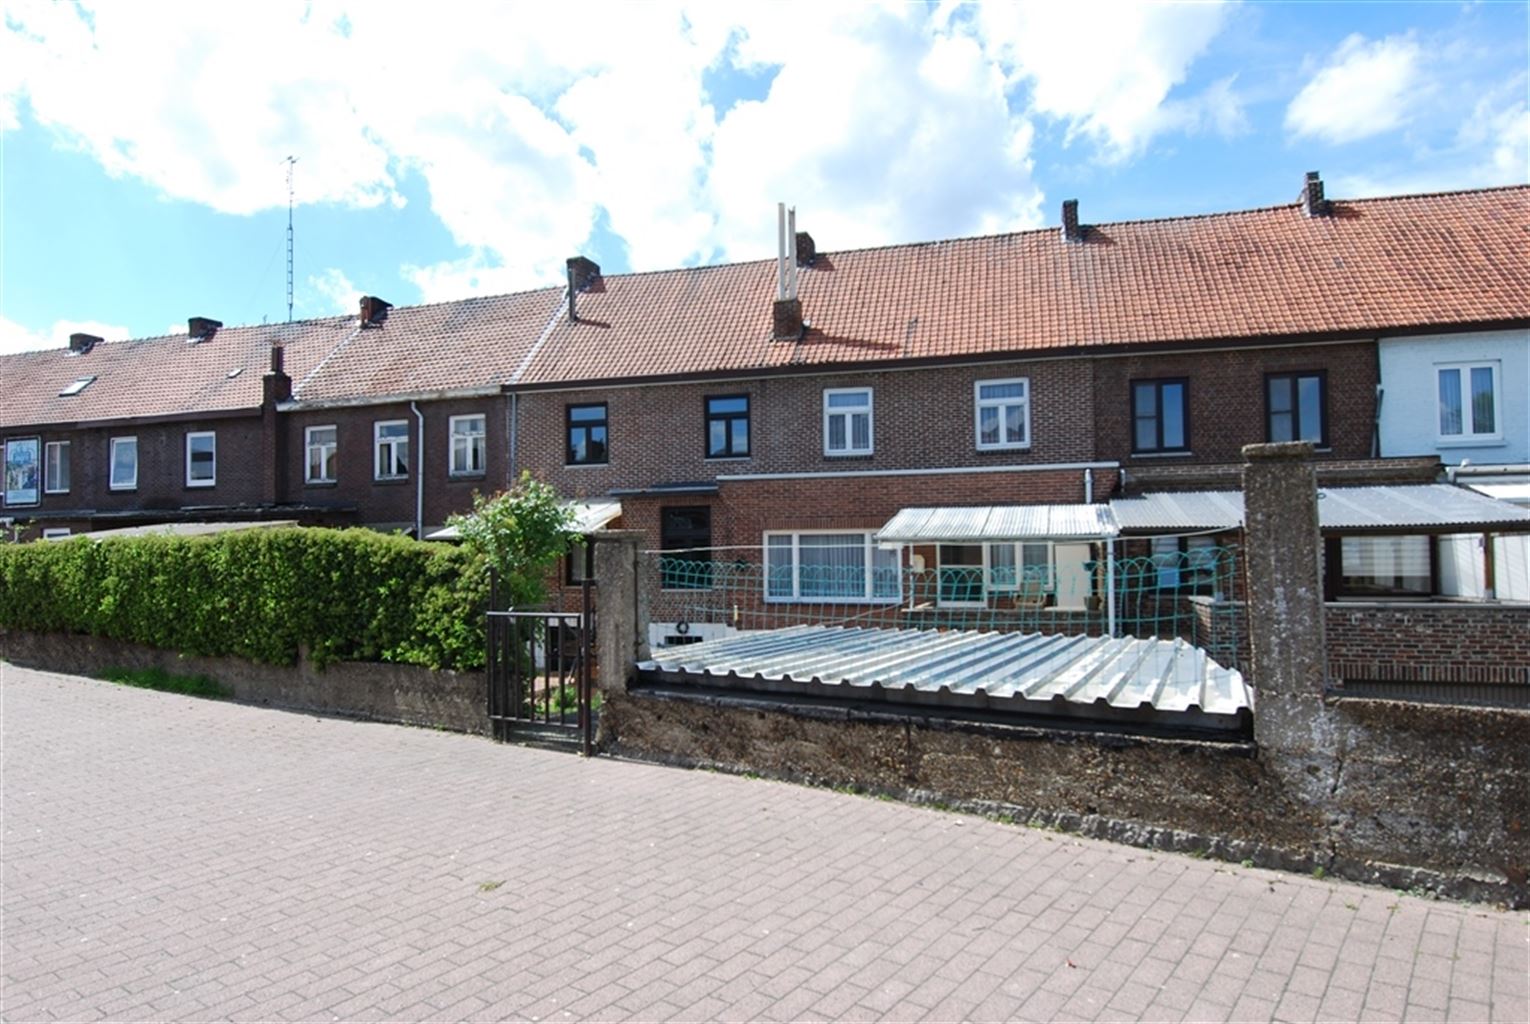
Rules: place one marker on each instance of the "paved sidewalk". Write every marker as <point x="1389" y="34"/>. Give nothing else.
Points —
<point x="173" y="858"/>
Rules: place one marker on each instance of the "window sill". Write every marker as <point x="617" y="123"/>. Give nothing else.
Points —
<point x="1163" y="455"/>
<point x="999" y="448"/>
<point x="123" y="490"/>
<point x="201" y="487"/>
<point x="321" y="483"/>
<point x="848" y="455"/>
<point x="728" y="458"/>
<point x="466" y="477"/>
<point x="1485" y="441"/>
<point x="55" y="492"/>
<point x="389" y="481"/>
<point x="585" y="465"/>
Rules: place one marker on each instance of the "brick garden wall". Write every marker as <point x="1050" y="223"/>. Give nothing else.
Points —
<point x="1439" y="642"/>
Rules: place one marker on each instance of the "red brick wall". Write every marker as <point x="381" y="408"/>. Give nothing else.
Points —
<point x="1227" y="398"/>
<point x="922" y="419"/>
<point x="1443" y="642"/>
<point x="389" y="503"/>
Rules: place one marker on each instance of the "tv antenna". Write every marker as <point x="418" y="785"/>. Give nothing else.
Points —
<point x="290" y="161"/>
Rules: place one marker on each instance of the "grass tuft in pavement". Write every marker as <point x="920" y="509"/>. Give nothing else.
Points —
<point x="159" y="679"/>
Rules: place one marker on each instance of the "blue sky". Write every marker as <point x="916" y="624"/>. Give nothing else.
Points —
<point x="472" y="149"/>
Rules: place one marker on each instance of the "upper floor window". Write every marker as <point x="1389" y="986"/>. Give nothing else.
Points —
<point x="321" y="444"/>
<point x="1296" y="407"/>
<point x="587" y="440"/>
<point x="468" y="440"/>
<point x="23" y="471"/>
<point x="1159" y="421"/>
<point x="201" y="459"/>
<point x="1003" y="413"/>
<point x="847" y="421"/>
<point x="1468" y="401"/>
<point x="124" y="463"/>
<point x="56" y="468"/>
<point x="392" y="449"/>
<point x="728" y="427"/>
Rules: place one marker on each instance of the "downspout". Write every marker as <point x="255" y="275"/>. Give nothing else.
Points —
<point x="1088" y="487"/>
<point x="1110" y="586"/>
<point x="1376" y="427"/>
<point x="514" y="417"/>
<point x="419" y="476"/>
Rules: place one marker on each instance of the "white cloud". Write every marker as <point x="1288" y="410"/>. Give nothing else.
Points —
<point x="1108" y="68"/>
<point x="1365" y="89"/>
<point x="340" y="295"/>
<point x="16" y="338"/>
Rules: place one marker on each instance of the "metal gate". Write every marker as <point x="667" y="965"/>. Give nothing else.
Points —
<point x="539" y="674"/>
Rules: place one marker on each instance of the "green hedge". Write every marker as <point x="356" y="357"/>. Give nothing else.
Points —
<point x="352" y="595"/>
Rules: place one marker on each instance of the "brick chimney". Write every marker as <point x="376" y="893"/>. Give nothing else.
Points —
<point x="582" y="272"/>
<point x="1313" y="203"/>
<point x="786" y="320"/>
<point x="200" y="328"/>
<point x="79" y="344"/>
<point x="807" y="250"/>
<point x="275" y="387"/>
<point x="374" y="311"/>
<point x="1071" y="230"/>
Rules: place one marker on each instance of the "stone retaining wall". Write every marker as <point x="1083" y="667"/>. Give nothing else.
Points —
<point x="384" y="692"/>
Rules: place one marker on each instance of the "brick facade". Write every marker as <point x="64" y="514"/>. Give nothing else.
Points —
<point x="1434" y="643"/>
<point x="1226" y="399"/>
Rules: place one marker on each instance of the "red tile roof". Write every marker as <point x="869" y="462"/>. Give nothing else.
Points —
<point x="164" y="376"/>
<point x="470" y="343"/>
<point x="1369" y="266"/>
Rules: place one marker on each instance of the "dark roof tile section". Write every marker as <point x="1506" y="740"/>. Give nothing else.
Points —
<point x="471" y="343"/>
<point x="1369" y="266"/>
<point x="157" y="377"/>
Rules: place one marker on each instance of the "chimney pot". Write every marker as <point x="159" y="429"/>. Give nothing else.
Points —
<point x="786" y="316"/>
<point x="582" y="272"/>
<point x="82" y="343"/>
<point x="1313" y="202"/>
<point x="807" y="250"/>
<point x="1071" y="231"/>
<point x="373" y="310"/>
<point x="199" y="328"/>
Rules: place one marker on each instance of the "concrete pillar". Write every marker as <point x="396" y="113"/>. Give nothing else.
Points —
<point x="1288" y="651"/>
<point x="622" y="631"/>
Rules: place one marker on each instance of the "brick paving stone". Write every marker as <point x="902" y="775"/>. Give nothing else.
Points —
<point x="170" y="858"/>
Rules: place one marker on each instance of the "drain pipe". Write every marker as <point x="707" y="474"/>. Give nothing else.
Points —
<point x="419" y="481"/>
<point x="1088" y="487"/>
<point x="514" y="410"/>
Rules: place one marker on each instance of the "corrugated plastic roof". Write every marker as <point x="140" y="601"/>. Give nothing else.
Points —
<point x="1369" y="266"/>
<point x="998" y="523"/>
<point x="1430" y="506"/>
<point x="1027" y="673"/>
<point x="589" y="516"/>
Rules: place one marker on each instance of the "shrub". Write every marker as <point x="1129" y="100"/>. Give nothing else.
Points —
<point x="264" y="595"/>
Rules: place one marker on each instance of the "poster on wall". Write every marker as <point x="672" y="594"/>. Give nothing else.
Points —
<point x="23" y="471"/>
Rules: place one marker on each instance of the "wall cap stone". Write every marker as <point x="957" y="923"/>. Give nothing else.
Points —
<point x="1287" y="451"/>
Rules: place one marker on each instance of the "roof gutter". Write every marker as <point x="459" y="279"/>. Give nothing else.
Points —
<point x="301" y="404"/>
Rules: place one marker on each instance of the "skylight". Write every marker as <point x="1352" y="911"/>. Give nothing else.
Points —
<point x="78" y="385"/>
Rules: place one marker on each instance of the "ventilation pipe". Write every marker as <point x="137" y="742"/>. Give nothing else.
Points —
<point x="786" y="313"/>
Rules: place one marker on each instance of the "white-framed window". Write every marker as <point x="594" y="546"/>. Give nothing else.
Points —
<point x="1002" y="413"/>
<point x="55" y="533"/>
<point x="1468" y="402"/>
<point x="56" y="467"/>
<point x="201" y="458"/>
<point x="969" y="574"/>
<point x="124" y="464"/>
<point x="468" y="436"/>
<point x="833" y="567"/>
<point x="320" y="443"/>
<point x="847" y="421"/>
<point x="391" y="441"/>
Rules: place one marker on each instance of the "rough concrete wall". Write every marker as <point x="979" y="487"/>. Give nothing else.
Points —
<point x="407" y="694"/>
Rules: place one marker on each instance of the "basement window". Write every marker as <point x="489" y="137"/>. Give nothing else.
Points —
<point x="76" y="386"/>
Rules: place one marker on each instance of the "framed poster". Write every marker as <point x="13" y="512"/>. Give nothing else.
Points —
<point x="23" y="470"/>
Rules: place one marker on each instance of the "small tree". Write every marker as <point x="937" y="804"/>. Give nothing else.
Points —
<point x="519" y="535"/>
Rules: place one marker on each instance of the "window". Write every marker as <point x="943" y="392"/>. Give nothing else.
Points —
<point x="1159" y="422"/>
<point x="1385" y="567"/>
<point x="56" y="468"/>
<point x="1019" y="566"/>
<point x="686" y="530"/>
<point x="1003" y="413"/>
<point x="55" y="533"/>
<point x="392" y="444"/>
<point x="75" y="386"/>
<point x="468" y="438"/>
<point x="728" y="427"/>
<point x="124" y="463"/>
<point x="1185" y="563"/>
<point x="830" y="567"/>
<point x="322" y="443"/>
<point x="587" y="445"/>
<point x="1296" y="407"/>
<point x="201" y="459"/>
<point x="970" y="573"/>
<point x="1468" y="401"/>
<point x="847" y="421"/>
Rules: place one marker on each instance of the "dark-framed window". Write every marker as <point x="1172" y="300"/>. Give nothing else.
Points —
<point x="587" y="442"/>
<point x="685" y="537"/>
<point x="1296" y="407"/>
<point x="727" y="419"/>
<point x="1161" y="415"/>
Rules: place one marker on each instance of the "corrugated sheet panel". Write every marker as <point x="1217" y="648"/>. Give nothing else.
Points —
<point x="999" y="522"/>
<point x="1339" y="508"/>
<point x="589" y="516"/>
<point x="1090" y="677"/>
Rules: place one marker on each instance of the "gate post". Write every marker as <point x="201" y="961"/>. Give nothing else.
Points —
<point x="622" y="633"/>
